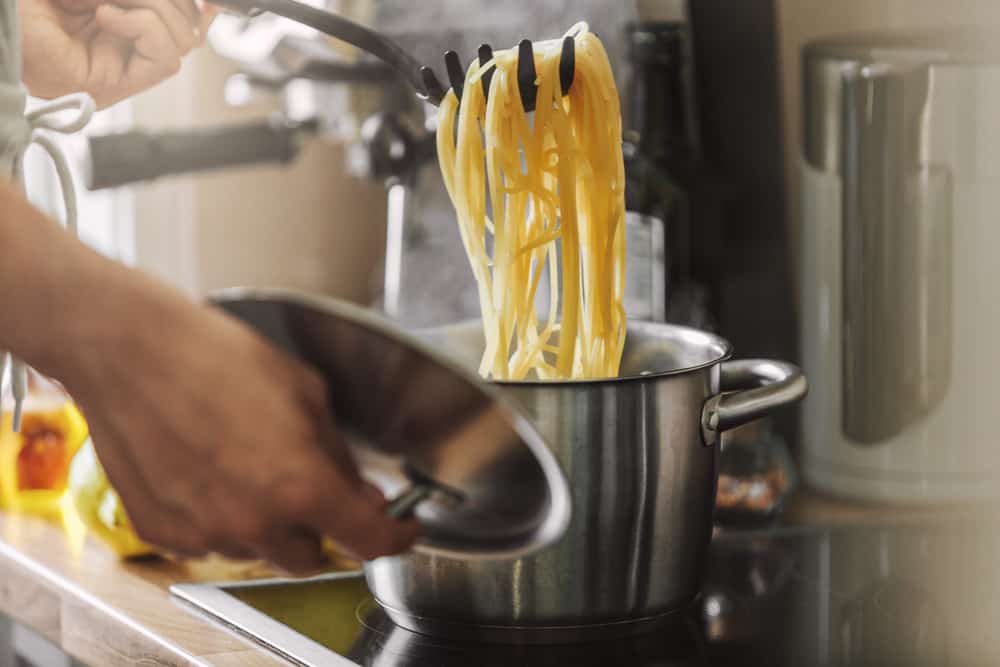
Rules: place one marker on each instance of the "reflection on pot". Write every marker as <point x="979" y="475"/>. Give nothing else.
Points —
<point x="868" y="596"/>
<point x="743" y="587"/>
<point x="893" y="624"/>
<point x="385" y="644"/>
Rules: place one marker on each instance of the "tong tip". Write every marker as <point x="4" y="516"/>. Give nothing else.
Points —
<point x="527" y="75"/>
<point x="456" y="77"/>
<point x="486" y="55"/>
<point x="433" y="90"/>
<point x="567" y="64"/>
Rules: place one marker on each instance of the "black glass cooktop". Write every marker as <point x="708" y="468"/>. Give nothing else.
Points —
<point x="910" y="596"/>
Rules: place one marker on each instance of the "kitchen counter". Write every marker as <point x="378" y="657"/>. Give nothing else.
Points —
<point x="105" y="612"/>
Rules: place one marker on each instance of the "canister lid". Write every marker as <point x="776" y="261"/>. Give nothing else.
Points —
<point x="429" y="434"/>
<point x="926" y="46"/>
<point x="835" y="64"/>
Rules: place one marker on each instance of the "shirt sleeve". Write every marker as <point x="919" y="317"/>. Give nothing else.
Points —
<point x="10" y="48"/>
<point x="11" y="92"/>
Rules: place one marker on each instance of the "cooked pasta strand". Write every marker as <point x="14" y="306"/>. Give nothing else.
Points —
<point x="542" y="193"/>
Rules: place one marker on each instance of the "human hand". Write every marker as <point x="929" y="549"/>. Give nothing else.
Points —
<point x="214" y="440"/>
<point x="110" y="50"/>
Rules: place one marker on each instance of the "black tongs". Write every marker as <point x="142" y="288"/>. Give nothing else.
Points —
<point x="421" y="77"/>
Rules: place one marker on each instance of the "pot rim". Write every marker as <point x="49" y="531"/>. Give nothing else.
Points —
<point x="703" y="338"/>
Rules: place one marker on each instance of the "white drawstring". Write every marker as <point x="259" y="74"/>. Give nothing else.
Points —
<point x="44" y="117"/>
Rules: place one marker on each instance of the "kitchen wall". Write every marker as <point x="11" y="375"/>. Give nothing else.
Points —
<point x="800" y="21"/>
<point x="308" y="225"/>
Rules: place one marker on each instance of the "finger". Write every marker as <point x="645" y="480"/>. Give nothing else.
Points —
<point x="149" y="520"/>
<point x="108" y="55"/>
<point x="335" y="501"/>
<point x="298" y="552"/>
<point x="335" y="447"/>
<point x="154" y="522"/>
<point x="187" y="8"/>
<point x="181" y="17"/>
<point x="157" y="505"/>
<point x="233" y="521"/>
<point x="159" y="34"/>
<point x="354" y="517"/>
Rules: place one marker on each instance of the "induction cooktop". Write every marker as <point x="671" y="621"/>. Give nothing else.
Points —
<point x="905" y="595"/>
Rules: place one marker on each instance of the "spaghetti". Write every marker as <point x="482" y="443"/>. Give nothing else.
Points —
<point x="540" y="193"/>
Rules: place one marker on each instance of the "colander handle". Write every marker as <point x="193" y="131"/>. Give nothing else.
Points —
<point x="750" y="388"/>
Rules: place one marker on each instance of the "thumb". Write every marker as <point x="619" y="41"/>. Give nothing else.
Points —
<point x="208" y="14"/>
<point x="108" y="55"/>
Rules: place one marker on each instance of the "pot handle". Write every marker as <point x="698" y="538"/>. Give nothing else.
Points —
<point x="756" y="387"/>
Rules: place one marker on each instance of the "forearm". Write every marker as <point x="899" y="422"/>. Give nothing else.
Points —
<point x="61" y="304"/>
<point x="43" y="276"/>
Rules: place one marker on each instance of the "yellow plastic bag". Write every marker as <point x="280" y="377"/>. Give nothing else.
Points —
<point x="98" y="507"/>
<point x="34" y="463"/>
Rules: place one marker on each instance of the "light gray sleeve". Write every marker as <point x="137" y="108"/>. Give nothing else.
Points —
<point x="10" y="49"/>
<point x="11" y="92"/>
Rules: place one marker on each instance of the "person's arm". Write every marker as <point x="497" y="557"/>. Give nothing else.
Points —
<point x="215" y="441"/>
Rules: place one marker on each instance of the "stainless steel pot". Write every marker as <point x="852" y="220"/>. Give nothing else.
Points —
<point x="640" y="455"/>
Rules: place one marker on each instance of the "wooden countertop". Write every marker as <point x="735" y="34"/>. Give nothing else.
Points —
<point x="104" y="612"/>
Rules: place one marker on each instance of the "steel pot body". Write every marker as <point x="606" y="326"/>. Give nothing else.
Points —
<point x="640" y="455"/>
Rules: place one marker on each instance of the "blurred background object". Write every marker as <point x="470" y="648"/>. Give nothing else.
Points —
<point x="756" y="476"/>
<point x="35" y="462"/>
<point x="898" y="328"/>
